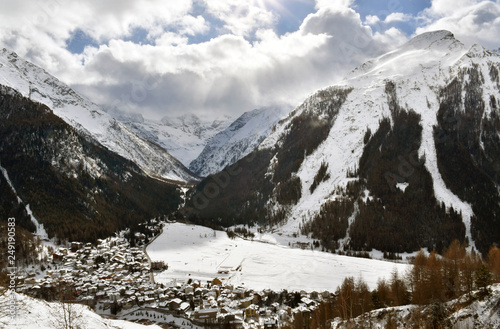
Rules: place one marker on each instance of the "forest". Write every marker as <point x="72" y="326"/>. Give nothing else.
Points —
<point x="50" y="165"/>
<point x="433" y="280"/>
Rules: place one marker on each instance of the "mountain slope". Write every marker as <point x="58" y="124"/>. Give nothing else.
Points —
<point x="458" y="313"/>
<point x="38" y="314"/>
<point x="379" y="161"/>
<point x="235" y="142"/>
<point x="184" y="137"/>
<point x="36" y="84"/>
<point x="76" y="188"/>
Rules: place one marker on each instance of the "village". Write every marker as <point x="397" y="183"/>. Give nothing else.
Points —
<point x="117" y="281"/>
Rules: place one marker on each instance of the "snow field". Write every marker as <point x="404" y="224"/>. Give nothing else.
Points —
<point x="38" y="314"/>
<point x="195" y="252"/>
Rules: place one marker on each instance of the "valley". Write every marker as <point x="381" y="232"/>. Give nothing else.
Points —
<point x="377" y="199"/>
<point x="199" y="253"/>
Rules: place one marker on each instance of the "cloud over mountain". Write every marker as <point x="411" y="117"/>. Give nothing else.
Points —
<point x="229" y="56"/>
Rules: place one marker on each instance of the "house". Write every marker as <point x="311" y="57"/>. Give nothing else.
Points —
<point x="207" y="315"/>
<point x="233" y="321"/>
<point x="76" y="246"/>
<point x="57" y="256"/>
<point x="257" y="298"/>
<point x="271" y="324"/>
<point x="175" y="304"/>
<point x="252" y="312"/>
<point x="216" y="282"/>
<point x="314" y="295"/>
<point x="184" y="307"/>
<point x="188" y="289"/>
<point x="244" y="303"/>
<point x="306" y="315"/>
<point x="100" y="295"/>
<point x="158" y="266"/>
<point x="239" y="292"/>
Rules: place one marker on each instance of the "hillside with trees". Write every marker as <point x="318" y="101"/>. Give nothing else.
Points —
<point x="78" y="189"/>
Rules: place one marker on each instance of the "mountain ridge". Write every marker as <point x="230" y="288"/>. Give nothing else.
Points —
<point x="36" y="84"/>
<point x="236" y="141"/>
<point x="409" y="91"/>
<point x="78" y="189"/>
<point x="184" y="136"/>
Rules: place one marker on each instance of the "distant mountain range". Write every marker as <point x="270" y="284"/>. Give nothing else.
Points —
<point x="237" y="140"/>
<point x="184" y="137"/>
<point x="205" y="146"/>
<point x="87" y="170"/>
<point x="404" y="153"/>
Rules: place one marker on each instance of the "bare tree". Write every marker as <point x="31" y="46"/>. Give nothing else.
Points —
<point x="65" y="313"/>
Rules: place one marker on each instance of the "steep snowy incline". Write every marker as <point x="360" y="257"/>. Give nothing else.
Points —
<point x="420" y="69"/>
<point x="36" y="84"/>
<point x="416" y="67"/>
<point x="238" y="140"/>
<point x="366" y="163"/>
<point x="184" y="137"/>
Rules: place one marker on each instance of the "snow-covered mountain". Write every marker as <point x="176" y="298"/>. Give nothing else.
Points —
<point x="88" y="118"/>
<point x="237" y="140"/>
<point x="52" y="174"/>
<point x="403" y="153"/>
<point x="184" y="137"/>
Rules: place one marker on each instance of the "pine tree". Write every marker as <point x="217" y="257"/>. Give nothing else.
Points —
<point x="483" y="279"/>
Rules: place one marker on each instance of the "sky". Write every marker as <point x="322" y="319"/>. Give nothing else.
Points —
<point x="223" y="57"/>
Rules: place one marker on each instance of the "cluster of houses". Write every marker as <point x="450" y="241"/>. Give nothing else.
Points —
<point x="116" y="279"/>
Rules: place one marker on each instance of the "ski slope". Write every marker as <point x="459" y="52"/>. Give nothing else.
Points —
<point x="195" y="252"/>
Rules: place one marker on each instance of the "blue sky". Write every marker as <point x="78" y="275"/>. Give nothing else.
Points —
<point x="219" y="57"/>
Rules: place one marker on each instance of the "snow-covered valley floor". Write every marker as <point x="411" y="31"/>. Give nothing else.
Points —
<point x="198" y="252"/>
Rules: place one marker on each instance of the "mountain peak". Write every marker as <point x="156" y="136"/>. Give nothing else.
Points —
<point x="425" y="52"/>
<point x="428" y="40"/>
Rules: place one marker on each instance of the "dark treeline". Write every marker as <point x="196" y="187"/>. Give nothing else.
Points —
<point x="433" y="280"/>
<point x="50" y="165"/>
<point x="468" y="150"/>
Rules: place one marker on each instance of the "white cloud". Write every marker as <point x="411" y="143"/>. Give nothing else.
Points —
<point x="447" y="7"/>
<point x="372" y="20"/>
<point x="102" y="20"/>
<point x="334" y="3"/>
<point x="392" y="38"/>
<point x="231" y="74"/>
<point x="240" y="17"/>
<point x="397" y="17"/>
<point x="191" y="25"/>
<point x="470" y="21"/>
<point x="228" y="73"/>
